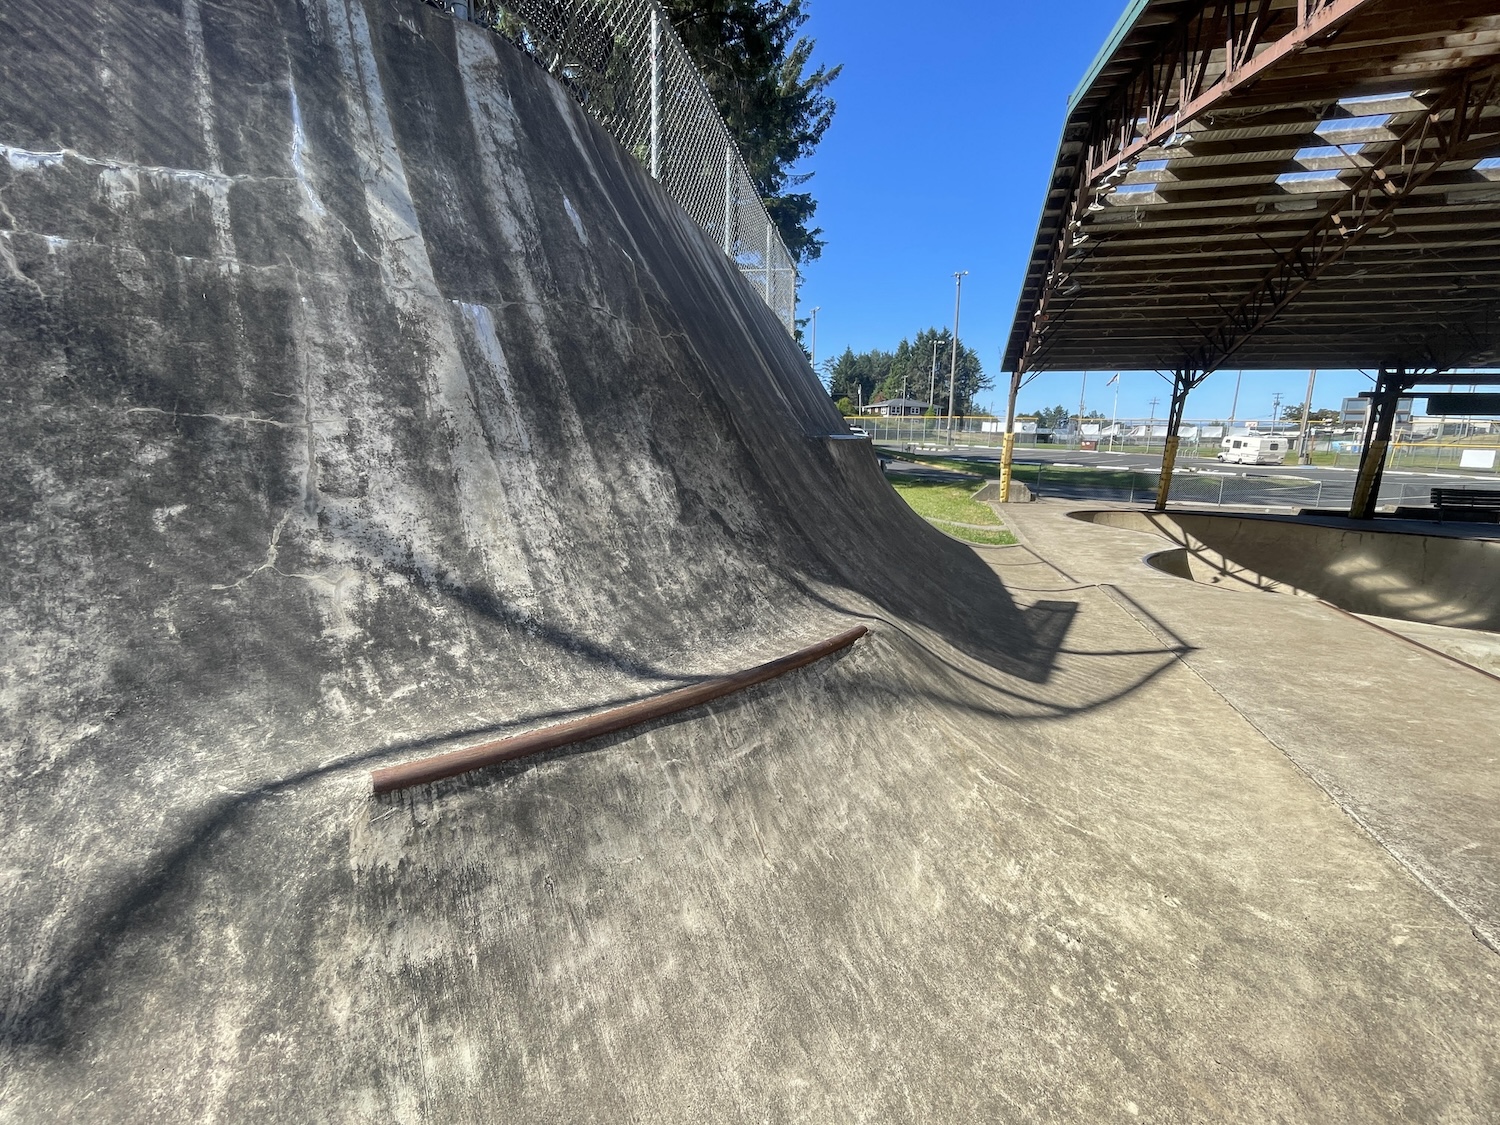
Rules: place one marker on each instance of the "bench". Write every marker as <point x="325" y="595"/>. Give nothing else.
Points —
<point x="1487" y="499"/>
<point x="1458" y="505"/>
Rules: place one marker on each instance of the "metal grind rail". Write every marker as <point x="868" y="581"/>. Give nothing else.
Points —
<point x="509" y="749"/>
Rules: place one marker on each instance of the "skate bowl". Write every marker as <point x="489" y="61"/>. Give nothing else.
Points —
<point x="1429" y="578"/>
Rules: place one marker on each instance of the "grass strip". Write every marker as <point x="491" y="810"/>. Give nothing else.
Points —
<point x="949" y="506"/>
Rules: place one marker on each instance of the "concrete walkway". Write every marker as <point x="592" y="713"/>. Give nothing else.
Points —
<point x="1404" y="741"/>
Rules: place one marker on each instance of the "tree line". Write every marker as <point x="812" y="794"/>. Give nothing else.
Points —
<point x="918" y="369"/>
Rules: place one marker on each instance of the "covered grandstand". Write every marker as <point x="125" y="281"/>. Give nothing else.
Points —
<point x="1283" y="183"/>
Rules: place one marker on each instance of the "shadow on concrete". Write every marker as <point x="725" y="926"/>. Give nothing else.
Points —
<point x="55" y="1016"/>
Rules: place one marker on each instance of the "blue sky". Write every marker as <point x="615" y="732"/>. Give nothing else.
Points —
<point x="947" y="127"/>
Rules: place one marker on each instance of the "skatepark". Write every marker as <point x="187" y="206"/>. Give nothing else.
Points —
<point x="365" y="400"/>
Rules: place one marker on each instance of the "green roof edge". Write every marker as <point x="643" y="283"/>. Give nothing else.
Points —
<point x="1106" y="52"/>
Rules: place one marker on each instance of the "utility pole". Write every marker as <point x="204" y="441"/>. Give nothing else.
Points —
<point x="815" y="309"/>
<point x="1306" y="456"/>
<point x="932" y="382"/>
<point x="1114" y="418"/>
<point x="958" y="287"/>
<point x="1234" y="405"/>
<point x="1275" y="410"/>
<point x="1082" y="388"/>
<point x="1151" y="425"/>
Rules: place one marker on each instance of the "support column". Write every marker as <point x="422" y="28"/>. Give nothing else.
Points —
<point x="1182" y="382"/>
<point x="1378" y="426"/>
<point x="1008" y="447"/>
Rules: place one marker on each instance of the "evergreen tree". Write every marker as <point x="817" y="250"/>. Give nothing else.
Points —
<point x="880" y="375"/>
<point x="856" y="377"/>
<point x="756" y="68"/>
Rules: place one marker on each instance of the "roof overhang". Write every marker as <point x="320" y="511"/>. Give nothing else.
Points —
<point x="1280" y="183"/>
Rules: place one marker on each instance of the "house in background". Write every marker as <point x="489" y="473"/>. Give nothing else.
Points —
<point x="896" y="407"/>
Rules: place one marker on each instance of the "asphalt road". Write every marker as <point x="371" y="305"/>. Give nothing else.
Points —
<point x="1151" y="463"/>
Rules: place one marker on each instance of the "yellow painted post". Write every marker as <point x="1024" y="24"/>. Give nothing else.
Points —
<point x="1369" y="470"/>
<point x="1168" y="460"/>
<point x="1007" y="450"/>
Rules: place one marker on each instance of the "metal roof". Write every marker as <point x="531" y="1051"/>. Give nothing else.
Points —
<point x="1283" y="183"/>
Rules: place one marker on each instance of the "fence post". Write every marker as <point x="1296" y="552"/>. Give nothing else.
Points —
<point x="729" y="194"/>
<point x="768" y="262"/>
<point x="655" y="95"/>
<point x="1221" y="492"/>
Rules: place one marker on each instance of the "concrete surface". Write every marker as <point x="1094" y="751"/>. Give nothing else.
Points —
<point x="360" y="398"/>
<point x="1402" y="739"/>
<point x="1472" y="646"/>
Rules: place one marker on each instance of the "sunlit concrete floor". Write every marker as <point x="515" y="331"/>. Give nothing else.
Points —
<point x="1406" y="743"/>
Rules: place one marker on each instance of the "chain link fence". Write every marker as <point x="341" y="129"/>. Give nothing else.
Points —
<point x="627" y="67"/>
<point x="1212" y="489"/>
<point x="1478" y="456"/>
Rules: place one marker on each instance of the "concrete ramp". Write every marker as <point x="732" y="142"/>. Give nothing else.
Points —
<point x="361" y="399"/>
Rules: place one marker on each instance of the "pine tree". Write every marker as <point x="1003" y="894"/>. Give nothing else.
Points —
<point x="756" y="68"/>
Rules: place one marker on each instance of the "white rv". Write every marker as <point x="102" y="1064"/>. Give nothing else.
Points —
<point x="1253" y="449"/>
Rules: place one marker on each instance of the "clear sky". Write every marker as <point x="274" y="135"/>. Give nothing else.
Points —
<point x="937" y="160"/>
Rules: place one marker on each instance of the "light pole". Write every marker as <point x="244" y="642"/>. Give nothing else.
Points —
<point x="1082" y="389"/>
<point x="1114" y="417"/>
<point x="1306" y="456"/>
<point x="815" y="309"/>
<point x="958" y="288"/>
<point x="932" y="381"/>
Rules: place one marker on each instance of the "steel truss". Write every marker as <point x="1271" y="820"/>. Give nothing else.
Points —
<point x="1225" y="47"/>
<point x="1433" y="140"/>
<point x="1224" y="95"/>
<point x="1170" y="90"/>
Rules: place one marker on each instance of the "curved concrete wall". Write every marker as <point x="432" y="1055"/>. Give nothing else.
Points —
<point x="1434" y="579"/>
<point x="360" y="394"/>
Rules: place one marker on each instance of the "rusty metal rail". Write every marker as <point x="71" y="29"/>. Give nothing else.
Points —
<point x="470" y="758"/>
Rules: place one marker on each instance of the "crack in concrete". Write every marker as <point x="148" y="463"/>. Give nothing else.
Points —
<point x="270" y="560"/>
<point x="248" y="418"/>
<point x="27" y="160"/>
<point x="310" y="495"/>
